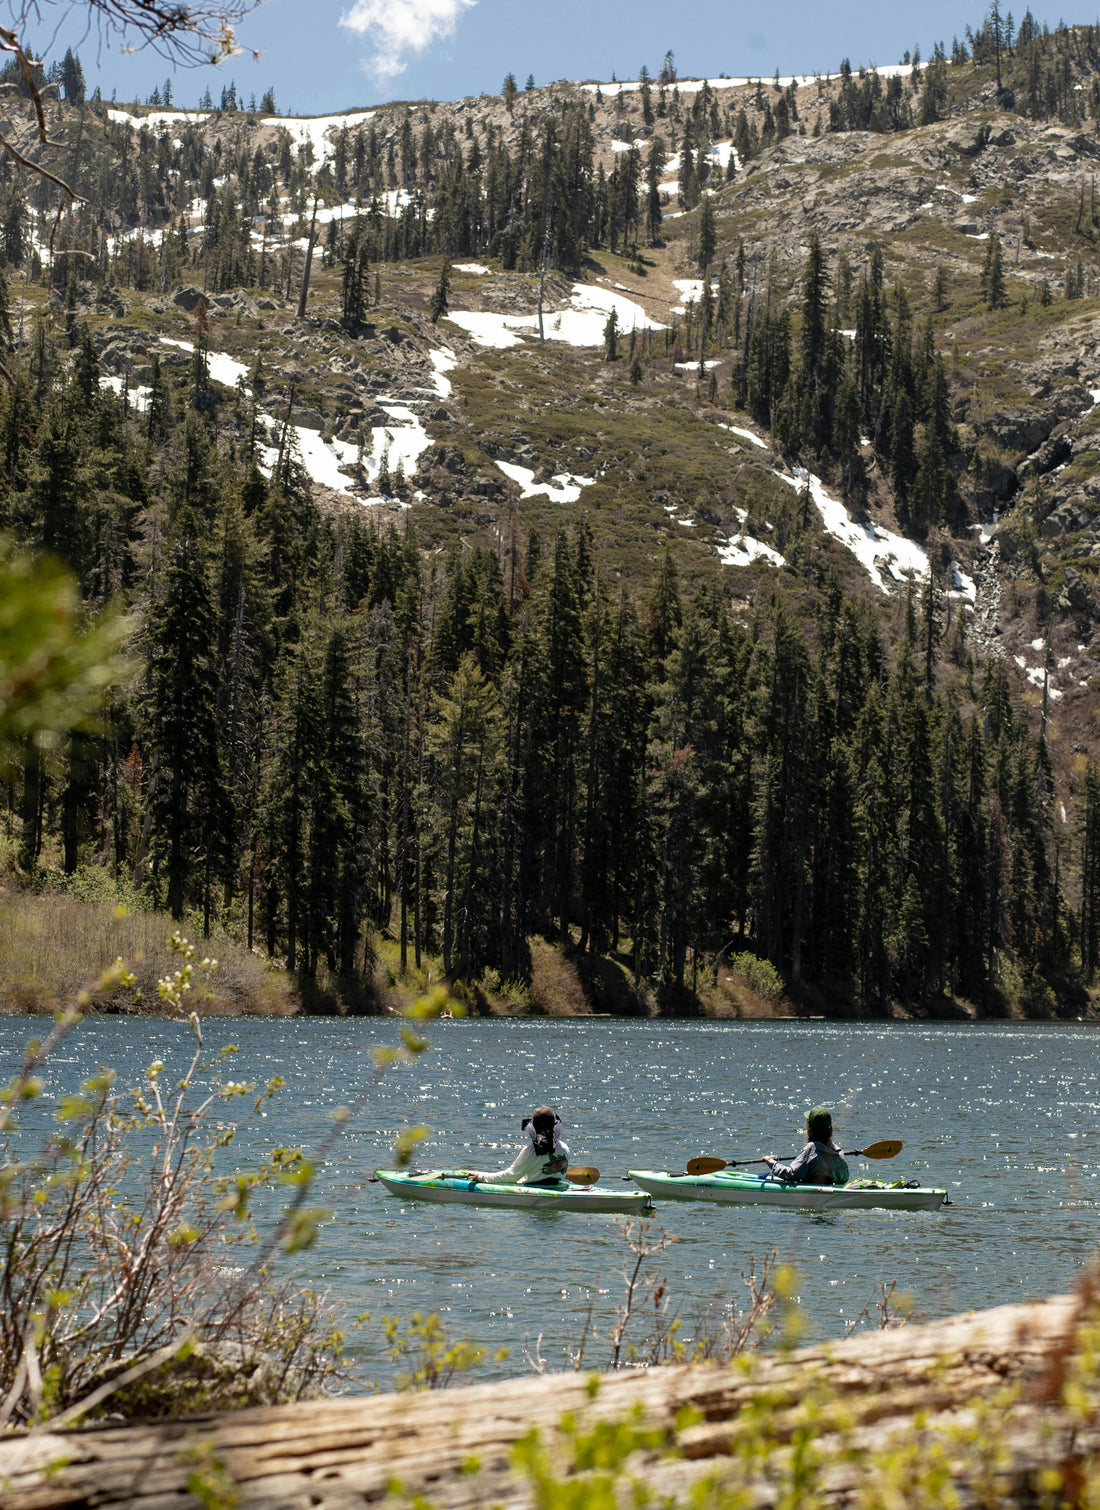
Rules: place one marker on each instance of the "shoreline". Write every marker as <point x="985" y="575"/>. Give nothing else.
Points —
<point x="53" y="947"/>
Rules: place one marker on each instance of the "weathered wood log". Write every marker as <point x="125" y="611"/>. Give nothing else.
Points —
<point x="456" y="1447"/>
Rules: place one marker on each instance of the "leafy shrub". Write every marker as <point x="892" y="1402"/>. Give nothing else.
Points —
<point x="759" y="975"/>
<point x="131" y="1267"/>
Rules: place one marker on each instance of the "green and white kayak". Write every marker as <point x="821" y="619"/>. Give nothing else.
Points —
<point x="440" y="1186"/>
<point x="728" y="1187"/>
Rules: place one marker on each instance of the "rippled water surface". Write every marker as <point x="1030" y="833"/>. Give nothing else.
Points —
<point x="1004" y="1116"/>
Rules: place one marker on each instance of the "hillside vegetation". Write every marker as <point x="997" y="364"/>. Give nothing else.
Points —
<point x="751" y="611"/>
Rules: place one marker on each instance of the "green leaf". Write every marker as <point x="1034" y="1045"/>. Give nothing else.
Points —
<point x="407" y="1142"/>
<point x="300" y="1229"/>
<point x="73" y="1106"/>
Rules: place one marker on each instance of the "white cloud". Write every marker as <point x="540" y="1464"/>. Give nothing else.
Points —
<point x="400" y="27"/>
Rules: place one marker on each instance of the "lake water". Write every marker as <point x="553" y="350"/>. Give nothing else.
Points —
<point x="1005" y="1117"/>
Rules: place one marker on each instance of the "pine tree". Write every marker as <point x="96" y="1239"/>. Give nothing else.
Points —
<point x="708" y="236"/>
<point x="611" y="336"/>
<point x="188" y="798"/>
<point x="465" y="739"/>
<point x="994" y="290"/>
<point x="438" y="307"/>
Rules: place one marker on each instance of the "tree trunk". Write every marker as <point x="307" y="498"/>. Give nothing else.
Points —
<point x="906" y="1396"/>
<point x="307" y="269"/>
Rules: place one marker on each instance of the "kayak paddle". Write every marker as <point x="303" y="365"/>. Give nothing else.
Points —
<point x="884" y="1150"/>
<point x="578" y="1174"/>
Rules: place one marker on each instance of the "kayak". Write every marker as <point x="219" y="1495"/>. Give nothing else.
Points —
<point x="437" y="1185"/>
<point x="734" y="1189"/>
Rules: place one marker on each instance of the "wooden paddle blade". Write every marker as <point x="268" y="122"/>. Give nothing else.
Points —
<point x="705" y="1165"/>
<point x="884" y="1150"/>
<point x="582" y="1174"/>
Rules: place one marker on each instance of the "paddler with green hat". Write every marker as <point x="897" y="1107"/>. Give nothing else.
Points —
<point x="820" y="1162"/>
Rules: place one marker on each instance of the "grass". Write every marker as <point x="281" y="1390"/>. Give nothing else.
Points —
<point x="54" y="946"/>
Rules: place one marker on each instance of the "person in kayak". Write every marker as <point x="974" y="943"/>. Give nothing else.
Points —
<point x="820" y="1162"/>
<point x="542" y="1160"/>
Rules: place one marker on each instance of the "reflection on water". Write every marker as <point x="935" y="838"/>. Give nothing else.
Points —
<point x="1004" y="1116"/>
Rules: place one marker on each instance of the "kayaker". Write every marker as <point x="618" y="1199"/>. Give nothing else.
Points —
<point x="820" y="1162"/>
<point x="543" y="1159"/>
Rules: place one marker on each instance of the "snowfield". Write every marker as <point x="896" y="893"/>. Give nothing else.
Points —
<point x="871" y="545"/>
<point x="222" y="368"/>
<point x="315" y="130"/>
<point x="444" y="361"/>
<point x="693" y="86"/>
<point x="582" y="324"/>
<point x="564" y="488"/>
<point x="156" y="119"/>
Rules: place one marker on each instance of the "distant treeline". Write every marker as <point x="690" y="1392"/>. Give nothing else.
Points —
<point x="530" y="193"/>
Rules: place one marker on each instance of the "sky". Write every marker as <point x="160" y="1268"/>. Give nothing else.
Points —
<point x="323" y="56"/>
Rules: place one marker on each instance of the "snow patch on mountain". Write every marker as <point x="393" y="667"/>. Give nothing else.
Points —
<point x="745" y="435"/>
<point x="315" y="130"/>
<point x="321" y="459"/>
<point x="743" y="550"/>
<point x="872" y="546"/>
<point x="582" y="324"/>
<point x="693" y="86"/>
<point x="156" y="120"/>
<point x="221" y="367"/>
<point x="136" y="397"/>
<point x="566" y="487"/>
<point x="443" y="361"/>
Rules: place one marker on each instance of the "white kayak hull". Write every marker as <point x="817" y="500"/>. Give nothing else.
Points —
<point x="444" y="1190"/>
<point x="762" y="1190"/>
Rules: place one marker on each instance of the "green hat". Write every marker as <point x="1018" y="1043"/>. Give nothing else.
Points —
<point x="820" y="1117"/>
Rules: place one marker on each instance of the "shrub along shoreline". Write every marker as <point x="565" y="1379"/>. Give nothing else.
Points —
<point x="53" y="941"/>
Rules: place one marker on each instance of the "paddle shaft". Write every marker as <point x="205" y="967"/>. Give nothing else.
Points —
<point x="576" y="1174"/>
<point x="887" y="1149"/>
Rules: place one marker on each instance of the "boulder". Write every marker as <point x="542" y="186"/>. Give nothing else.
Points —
<point x="1078" y="591"/>
<point x="188" y="298"/>
<point x="968" y="137"/>
<point x="1066" y="519"/>
<point x="1054" y="452"/>
<point x="489" y="487"/>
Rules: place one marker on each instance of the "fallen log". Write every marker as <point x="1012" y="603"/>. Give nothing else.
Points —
<point x="993" y="1380"/>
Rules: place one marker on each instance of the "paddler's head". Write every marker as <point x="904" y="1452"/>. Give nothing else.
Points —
<point x="543" y="1120"/>
<point x="819" y="1124"/>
